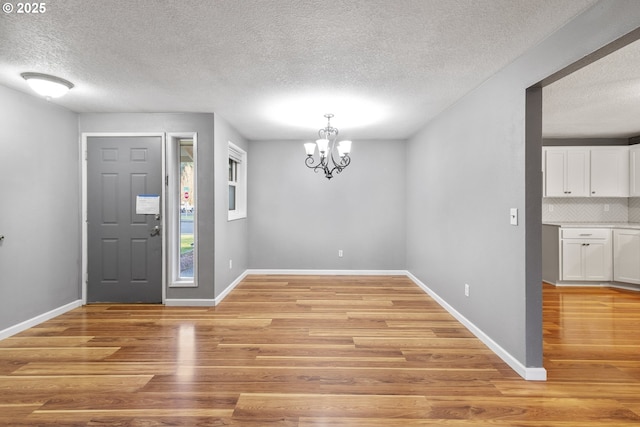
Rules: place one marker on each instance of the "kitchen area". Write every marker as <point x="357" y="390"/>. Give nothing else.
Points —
<point x="591" y="214"/>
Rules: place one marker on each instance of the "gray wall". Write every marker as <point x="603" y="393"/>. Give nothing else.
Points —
<point x="298" y="219"/>
<point x="231" y="237"/>
<point x="39" y="207"/>
<point x="465" y="170"/>
<point x="203" y="124"/>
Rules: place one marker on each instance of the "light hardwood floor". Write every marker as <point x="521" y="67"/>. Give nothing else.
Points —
<point x="320" y="351"/>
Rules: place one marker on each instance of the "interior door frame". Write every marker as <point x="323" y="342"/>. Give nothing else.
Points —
<point x="83" y="155"/>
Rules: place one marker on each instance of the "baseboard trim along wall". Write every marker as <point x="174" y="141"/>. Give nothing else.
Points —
<point x="529" y="374"/>
<point x="175" y="302"/>
<point x="34" y="321"/>
<point x="329" y="272"/>
<point x="229" y="288"/>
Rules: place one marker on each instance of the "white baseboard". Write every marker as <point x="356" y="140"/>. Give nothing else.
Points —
<point x="330" y="272"/>
<point x="530" y="374"/>
<point x="229" y="288"/>
<point x="23" y="326"/>
<point x="175" y="302"/>
<point x="612" y="285"/>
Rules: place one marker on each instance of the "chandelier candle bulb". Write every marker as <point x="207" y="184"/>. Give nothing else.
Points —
<point x="344" y="148"/>
<point x="323" y="145"/>
<point x="310" y="148"/>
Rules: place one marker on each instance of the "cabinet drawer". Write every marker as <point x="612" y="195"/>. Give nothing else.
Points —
<point x="585" y="233"/>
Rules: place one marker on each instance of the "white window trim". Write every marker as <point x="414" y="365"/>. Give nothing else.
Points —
<point x="173" y="212"/>
<point x="239" y="155"/>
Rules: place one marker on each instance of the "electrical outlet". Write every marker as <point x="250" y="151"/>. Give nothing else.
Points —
<point x="466" y="289"/>
<point x="230" y="264"/>
<point x="340" y="253"/>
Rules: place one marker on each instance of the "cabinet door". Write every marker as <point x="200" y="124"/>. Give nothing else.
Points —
<point x="610" y="172"/>
<point x="626" y="256"/>
<point x="634" y="172"/>
<point x="572" y="260"/>
<point x="597" y="261"/>
<point x="577" y="173"/>
<point x="554" y="173"/>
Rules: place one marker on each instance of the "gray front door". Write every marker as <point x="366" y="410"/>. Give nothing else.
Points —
<point x="124" y="248"/>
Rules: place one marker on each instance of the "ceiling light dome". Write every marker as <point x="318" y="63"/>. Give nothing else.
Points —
<point x="46" y="85"/>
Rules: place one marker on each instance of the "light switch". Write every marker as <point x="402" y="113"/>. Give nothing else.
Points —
<point x="513" y="216"/>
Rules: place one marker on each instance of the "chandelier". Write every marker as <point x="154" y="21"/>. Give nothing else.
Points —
<point x="326" y="148"/>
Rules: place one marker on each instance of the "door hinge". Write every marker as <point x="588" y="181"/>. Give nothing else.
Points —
<point x="86" y="155"/>
<point x="166" y="180"/>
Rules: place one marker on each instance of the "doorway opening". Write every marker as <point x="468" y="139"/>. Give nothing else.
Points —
<point x="534" y="145"/>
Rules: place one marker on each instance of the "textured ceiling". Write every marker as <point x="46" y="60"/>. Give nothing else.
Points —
<point x="599" y="100"/>
<point x="273" y="67"/>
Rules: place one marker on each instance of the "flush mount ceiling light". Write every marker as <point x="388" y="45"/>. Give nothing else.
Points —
<point x="326" y="148"/>
<point x="46" y="85"/>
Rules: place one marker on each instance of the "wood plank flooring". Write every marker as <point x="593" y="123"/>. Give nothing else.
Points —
<point x="311" y="351"/>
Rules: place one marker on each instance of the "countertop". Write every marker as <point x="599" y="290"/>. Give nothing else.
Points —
<point x="632" y="225"/>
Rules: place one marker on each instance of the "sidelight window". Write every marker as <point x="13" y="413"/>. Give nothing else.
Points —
<point x="182" y="210"/>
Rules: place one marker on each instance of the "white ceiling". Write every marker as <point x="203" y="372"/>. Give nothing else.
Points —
<point x="272" y="68"/>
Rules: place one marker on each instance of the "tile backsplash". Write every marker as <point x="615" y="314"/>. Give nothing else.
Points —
<point x="634" y="209"/>
<point x="613" y="209"/>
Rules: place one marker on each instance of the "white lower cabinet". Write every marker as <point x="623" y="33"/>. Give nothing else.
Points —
<point x="586" y="254"/>
<point x="626" y="255"/>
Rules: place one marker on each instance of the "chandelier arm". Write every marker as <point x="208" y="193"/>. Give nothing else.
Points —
<point x="339" y="167"/>
<point x="333" y="159"/>
<point x="309" y="162"/>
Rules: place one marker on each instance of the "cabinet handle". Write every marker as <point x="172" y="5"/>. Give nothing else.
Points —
<point x="593" y="192"/>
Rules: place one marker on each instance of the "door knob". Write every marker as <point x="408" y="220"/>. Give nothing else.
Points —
<point x="155" y="231"/>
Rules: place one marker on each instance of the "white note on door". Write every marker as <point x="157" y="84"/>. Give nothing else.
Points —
<point x="148" y="204"/>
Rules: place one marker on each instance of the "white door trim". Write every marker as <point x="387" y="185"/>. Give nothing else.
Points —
<point x="83" y="156"/>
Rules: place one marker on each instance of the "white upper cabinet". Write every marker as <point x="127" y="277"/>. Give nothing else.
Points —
<point x="610" y="171"/>
<point x="634" y="172"/>
<point x="566" y="171"/>
<point x="590" y="171"/>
